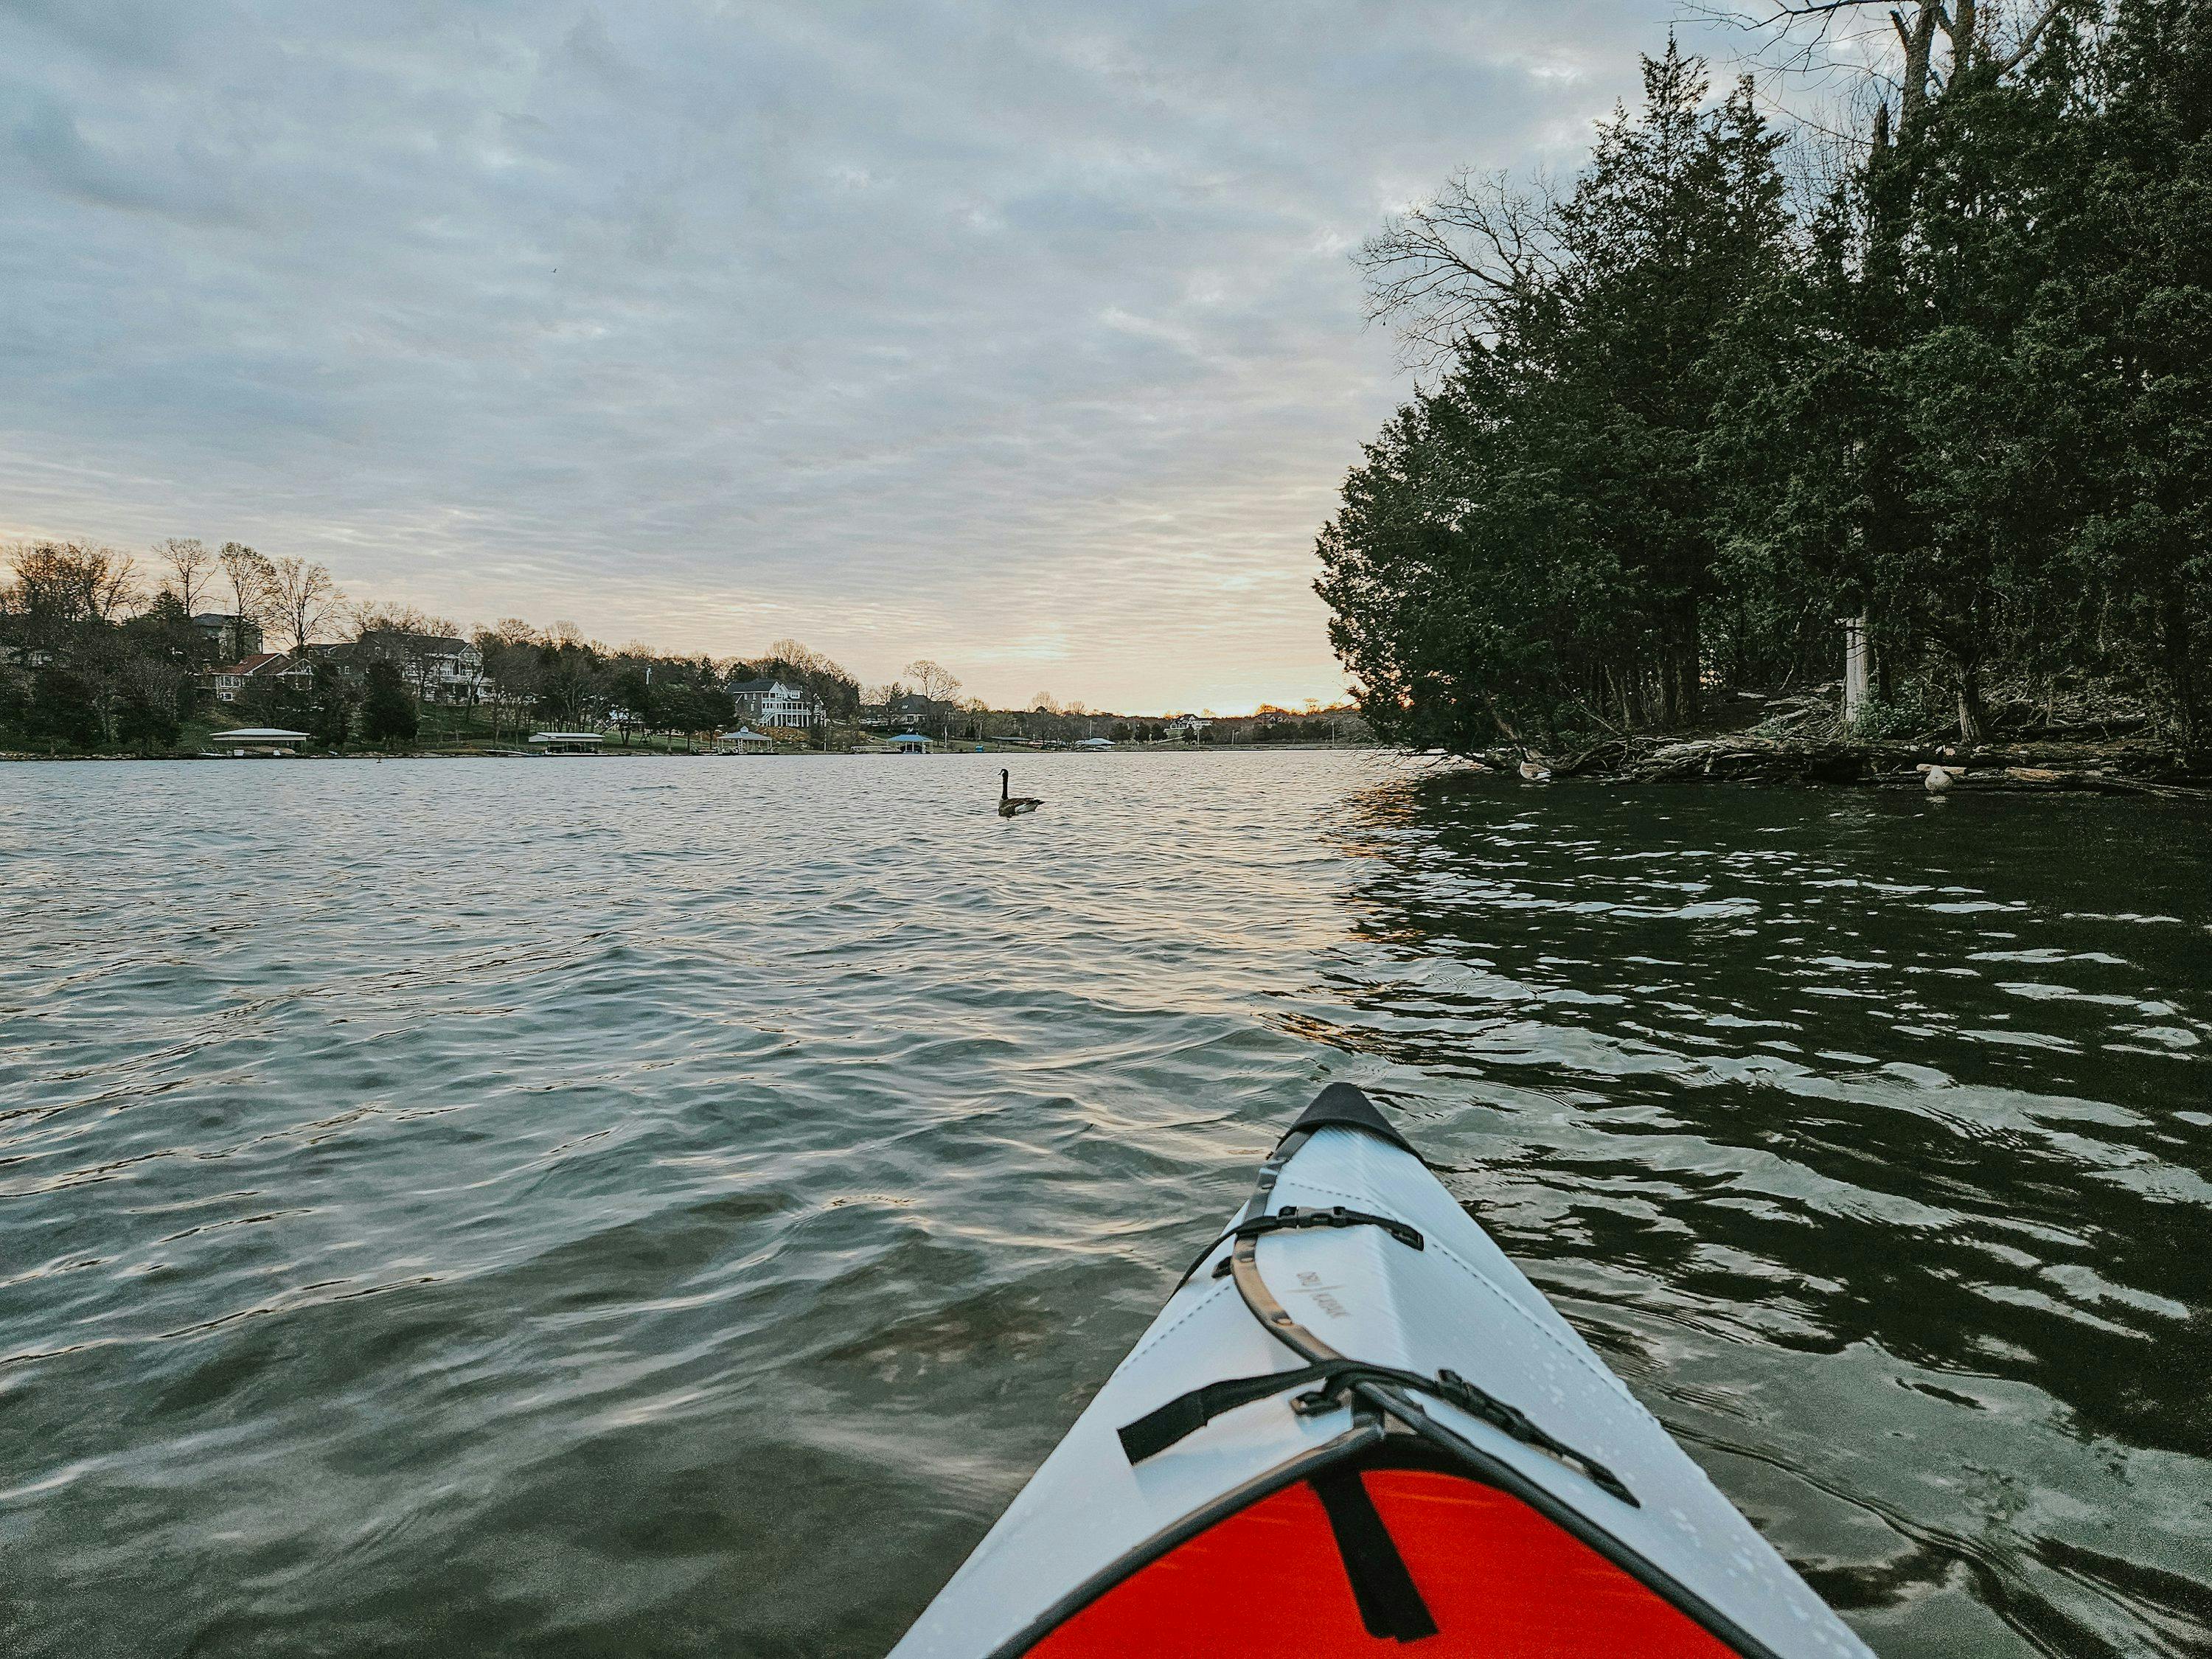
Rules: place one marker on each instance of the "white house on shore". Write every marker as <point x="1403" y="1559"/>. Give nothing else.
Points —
<point x="231" y="679"/>
<point x="439" y="668"/>
<point x="776" y="702"/>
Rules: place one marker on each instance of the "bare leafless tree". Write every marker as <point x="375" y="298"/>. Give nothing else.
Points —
<point x="1915" y="49"/>
<point x="110" y="580"/>
<point x="1447" y="272"/>
<point x="302" y="598"/>
<point x="933" y="680"/>
<point x="72" y="581"/>
<point x="247" y="574"/>
<point x="190" y="566"/>
<point x="369" y="617"/>
<point x="55" y="590"/>
<point x="803" y="657"/>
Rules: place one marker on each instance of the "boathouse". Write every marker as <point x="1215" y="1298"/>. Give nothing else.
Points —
<point x="258" y="740"/>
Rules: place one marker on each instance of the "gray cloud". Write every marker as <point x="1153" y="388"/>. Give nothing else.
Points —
<point x="1020" y="336"/>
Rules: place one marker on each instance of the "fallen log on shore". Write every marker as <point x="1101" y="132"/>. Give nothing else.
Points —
<point x="2119" y="769"/>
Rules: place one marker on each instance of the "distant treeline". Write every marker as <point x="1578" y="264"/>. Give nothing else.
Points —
<point x="561" y="678"/>
<point x="101" y="650"/>
<point x="1682" y="418"/>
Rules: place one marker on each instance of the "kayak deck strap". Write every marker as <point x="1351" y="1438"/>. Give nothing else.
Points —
<point x="1335" y="1380"/>
<point x="1186" y="1413"/>
<point x="1383" y="1587"/>
<point x="1362" y="1436"/>
<point x="1291" y="1218"/>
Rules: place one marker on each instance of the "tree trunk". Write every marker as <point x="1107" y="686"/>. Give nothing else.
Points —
<point x="1919" y="51"/>
<point x="1687" y="666"/>
<point x="1858" y="666"/>
<point x="2177" y="643"/>
<point x="1634" y="711"/>
<point x="1965" y="25"/>
<point x="1973" y="718"/>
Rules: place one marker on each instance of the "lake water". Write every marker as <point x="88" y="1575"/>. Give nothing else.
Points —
<point x="584" y="1206"/>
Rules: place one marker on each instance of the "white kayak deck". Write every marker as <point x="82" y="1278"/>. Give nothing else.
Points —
<point x="1457" y="1303"/>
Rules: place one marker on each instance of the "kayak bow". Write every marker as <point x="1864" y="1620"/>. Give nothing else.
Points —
<point x="1387" y="1439"/>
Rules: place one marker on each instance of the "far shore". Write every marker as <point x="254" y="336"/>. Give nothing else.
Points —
<point x="616" y="751"/>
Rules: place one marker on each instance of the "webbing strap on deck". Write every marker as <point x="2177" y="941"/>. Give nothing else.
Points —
<point x="1383" y="1588"/>
<point x="1333" y="1381"/>
<point x="1291" y="1218"/>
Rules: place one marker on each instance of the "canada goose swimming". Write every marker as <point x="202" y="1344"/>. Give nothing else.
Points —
<point x="1536" y="772"/>
<point x="1938" y="780"/>
<point x="1009" y="803"/>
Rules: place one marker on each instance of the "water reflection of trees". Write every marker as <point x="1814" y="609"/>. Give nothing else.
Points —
<point x="1732" y="1058"/>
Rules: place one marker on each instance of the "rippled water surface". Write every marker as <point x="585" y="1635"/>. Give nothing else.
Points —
<point x="635" y="1206"/>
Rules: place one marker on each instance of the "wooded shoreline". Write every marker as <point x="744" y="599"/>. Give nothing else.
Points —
<point x="2116" y="768"/>
<point x="617" y="752"/>
<point x="1748" y="400"/>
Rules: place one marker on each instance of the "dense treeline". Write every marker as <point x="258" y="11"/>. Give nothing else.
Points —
<point x="102" y="650"/>
<point x="83" y="665"/>
<point x="99" y="651"/>
<point x="1684" y="420"/>
<point x="559" y="678"/>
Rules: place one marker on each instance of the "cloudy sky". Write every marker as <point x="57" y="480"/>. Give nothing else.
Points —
<point x="1016" y="334"/>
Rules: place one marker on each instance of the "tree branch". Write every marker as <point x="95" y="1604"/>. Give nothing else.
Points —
<point x="2034" y="34"/>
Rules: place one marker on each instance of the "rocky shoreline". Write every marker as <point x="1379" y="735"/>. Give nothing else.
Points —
<point x="2118" y="767"/>
<point x="2090" y="742"/>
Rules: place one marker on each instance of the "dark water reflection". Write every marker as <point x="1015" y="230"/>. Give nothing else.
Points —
<point x="580" y="1207"/>
<point x="1869" y="1138"/>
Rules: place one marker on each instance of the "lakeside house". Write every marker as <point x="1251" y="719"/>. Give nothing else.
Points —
<point x="776" y="702"/>
<point x="914" y="711"/>
<point x="231" y="680"/>
<point x="450" y="668"/>
<point x="1186" y="726"/>
<point x="233" y="637"/>
<point x="743" y="741"/>
<point x="440" y="668"/>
